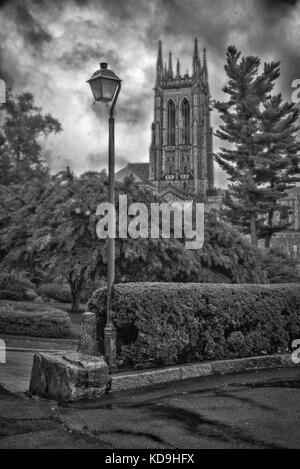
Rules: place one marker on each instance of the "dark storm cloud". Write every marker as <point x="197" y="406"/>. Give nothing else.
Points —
<point x="29" y="27"/>
<point x="279" y="4"/>
<point x="273" y="38"/>
<point x="81" y="53"/>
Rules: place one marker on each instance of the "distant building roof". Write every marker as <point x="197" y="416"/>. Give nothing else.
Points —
<point x="139" y="171"/>
<point x="294" y="191"/>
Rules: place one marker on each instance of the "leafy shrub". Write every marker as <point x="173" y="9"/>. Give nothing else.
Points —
<point x="55" y="291"/>
<point x="279" y="266"/>
<point x="168" y="323"/>
<point x="33" y="320"/>
<point x="15" y="288"/>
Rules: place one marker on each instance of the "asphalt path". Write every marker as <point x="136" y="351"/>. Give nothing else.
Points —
<point x="256" y="409"/>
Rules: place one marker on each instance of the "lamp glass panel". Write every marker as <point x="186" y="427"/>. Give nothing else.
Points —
<point x="96" y="88"/>
<point x="108" y="88"/>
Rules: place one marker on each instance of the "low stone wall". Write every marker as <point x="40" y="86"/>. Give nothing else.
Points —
<point x="125" y="381"/>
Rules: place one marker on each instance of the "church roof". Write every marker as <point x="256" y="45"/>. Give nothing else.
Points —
<point x="294" y="191"/>
<point x="141" y="170"/>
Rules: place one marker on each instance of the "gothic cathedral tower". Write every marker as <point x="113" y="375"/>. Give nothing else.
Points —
<point x="181" y="145"/>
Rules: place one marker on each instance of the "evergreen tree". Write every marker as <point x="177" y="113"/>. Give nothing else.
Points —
<point x="261" y="151"/>
<point x="280" y="161"/>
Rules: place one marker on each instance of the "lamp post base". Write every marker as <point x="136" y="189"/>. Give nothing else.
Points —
<point x="110" y="346"/>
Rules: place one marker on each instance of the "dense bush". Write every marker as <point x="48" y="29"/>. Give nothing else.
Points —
<point x="167" y="323"/>
<point x="34" y="320"/>
<point x="15" y="288"/>
<point x="55" y="291"/>
<point x="279" y="266"/>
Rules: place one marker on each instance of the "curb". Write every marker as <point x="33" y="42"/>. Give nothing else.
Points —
<point x="141" y="379"/>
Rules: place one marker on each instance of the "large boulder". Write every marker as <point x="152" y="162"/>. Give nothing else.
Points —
<point x="69" y="376"/>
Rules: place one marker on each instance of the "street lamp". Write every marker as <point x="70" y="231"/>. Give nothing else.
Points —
<point x="105" y="86"/>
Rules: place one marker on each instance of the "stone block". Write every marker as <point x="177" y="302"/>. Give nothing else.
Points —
<point x="69" y="376"/>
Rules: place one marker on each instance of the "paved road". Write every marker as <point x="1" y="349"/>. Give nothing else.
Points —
<point x="27" y="423"/>
<point x="257" y="409"/>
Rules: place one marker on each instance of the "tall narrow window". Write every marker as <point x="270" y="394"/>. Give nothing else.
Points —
<point x="157" y="139"/>
<point x="171" y="123"/>
<point x="185" y="110"/>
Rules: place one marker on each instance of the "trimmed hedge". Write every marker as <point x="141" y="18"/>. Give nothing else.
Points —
<point x="168" y="323"/>
<point x="55" y="291"/>
<point x="34" y="320"/>
<point x="16" y="289"/>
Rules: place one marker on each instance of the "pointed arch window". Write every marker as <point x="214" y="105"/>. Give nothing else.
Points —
<point x="171" y="123"/>
<point x="185" y="110"/>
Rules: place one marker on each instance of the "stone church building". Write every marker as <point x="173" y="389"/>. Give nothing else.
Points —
<point x="181" y="143"/>
<point x="181" y="160"/>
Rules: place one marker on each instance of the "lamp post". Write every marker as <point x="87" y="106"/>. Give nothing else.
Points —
<point x="105" y="86"/>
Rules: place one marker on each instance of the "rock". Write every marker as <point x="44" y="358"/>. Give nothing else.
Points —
<point x="38" y="299"/>
<point x="69" y="376"/>
<point x="88" y="338"/>
<point x="30" y="294"/>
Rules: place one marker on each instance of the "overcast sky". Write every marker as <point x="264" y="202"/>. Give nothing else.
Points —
<point x="51" y="48"/>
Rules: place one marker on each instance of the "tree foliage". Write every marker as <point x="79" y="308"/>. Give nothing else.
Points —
<point x="261" y="152"/>
<point x="24" y="129"/>
<point x="50" y="232"/>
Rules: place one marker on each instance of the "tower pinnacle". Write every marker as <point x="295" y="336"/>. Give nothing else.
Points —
<point x="196" y="60"/>
<point x="205" y="73"/>
<point x="170" y="71"/>
<point x="178" y="68"/>
<point x="159" y="64"/>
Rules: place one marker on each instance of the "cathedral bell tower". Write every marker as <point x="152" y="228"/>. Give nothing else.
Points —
<point x="181" y="145"/>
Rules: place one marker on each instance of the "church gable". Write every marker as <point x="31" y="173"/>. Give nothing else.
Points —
<point x="138" y="171"/>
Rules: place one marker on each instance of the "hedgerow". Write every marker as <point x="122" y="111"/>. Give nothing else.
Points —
<point x="167" y="323"/>
<point x="34" y="320"/>
<point x="16" y="289"/>
<point x="55" y="291"/>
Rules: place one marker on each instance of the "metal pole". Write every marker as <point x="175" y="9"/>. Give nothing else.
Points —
<point x="111" y="199"/>
<point x="110" y="332"/>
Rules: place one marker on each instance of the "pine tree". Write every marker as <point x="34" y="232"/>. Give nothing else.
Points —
<point x="248" y="89"/>
<point x="280" y="161"/>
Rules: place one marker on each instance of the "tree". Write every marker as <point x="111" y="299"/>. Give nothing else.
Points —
<point x="63" y="231"/>
<point x="18" y="204"/>
<point x="280" y="161"/>
<point x="50" y="232"/>
<point x="261" y="151"/>
<point x="280" y="267"/>
<point x="225" y="256"/>
<point x="20" y="144"/>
